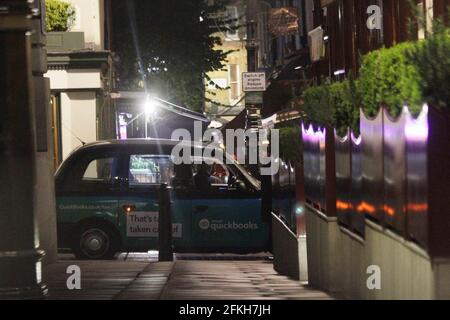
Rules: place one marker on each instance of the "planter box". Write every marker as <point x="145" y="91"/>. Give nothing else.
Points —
<point x="65" y="41"/>
<point x="289" y="251"/>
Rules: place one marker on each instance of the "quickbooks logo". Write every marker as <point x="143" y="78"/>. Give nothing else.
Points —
<point x="205" y="224"/>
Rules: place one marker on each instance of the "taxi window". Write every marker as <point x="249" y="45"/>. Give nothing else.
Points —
<point x="93" y="175"/>
<point x="218" y="173"/>
<point x="147" y="170"/>
<point x="210" y="175"/>
<point x="100" y="170"/>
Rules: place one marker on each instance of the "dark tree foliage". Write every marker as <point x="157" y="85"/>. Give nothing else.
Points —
<point x="290" y="144"/>
<point x="167" y="46"/>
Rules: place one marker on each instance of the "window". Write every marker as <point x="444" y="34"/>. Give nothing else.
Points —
<point x="235" y="90"/>
<point x="232" y="30"/>
<point x="100" y="170"/>
<point x="221" y="82"/>
<point x="421" y="26"/>
<point x="429" y="14"/>
<point x="147" y="170"/>
<point x="93" y="175"/>
<point x="218" y="173"/>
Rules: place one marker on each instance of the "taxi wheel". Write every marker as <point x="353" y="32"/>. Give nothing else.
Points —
<point x="95" y="243"/>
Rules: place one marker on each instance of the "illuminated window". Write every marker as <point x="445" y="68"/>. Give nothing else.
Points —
<point x="218" y="82"/>
<point x="233" y="73"/>
<point x="429" y="14"/>
<point x="421" y="30"/>
<point x="145" y="170"/>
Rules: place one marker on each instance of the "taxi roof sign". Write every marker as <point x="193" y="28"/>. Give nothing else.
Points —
<point x="254" y="81"/>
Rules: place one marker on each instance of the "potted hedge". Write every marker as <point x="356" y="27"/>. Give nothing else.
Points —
<point x="60" y="18"/>
<point x="60" y="15"/>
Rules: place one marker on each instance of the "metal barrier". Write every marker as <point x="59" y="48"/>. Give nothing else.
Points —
<point x="165" y="224"/>
<point x="283" y="194"/>
<point x="396" y="174"/>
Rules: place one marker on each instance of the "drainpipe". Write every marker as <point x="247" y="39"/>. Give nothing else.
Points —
<point x="20" y="260"/>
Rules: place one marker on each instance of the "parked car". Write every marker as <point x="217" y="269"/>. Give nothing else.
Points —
<point x="107" y="201"/>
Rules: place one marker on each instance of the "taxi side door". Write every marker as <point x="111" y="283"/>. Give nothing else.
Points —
<point x="88" y="194"/>
<point x="139" y="202"/>
<point x="226" y="218"/>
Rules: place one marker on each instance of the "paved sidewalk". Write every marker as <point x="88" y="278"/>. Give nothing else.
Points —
<point x="141" y="279"/>
<point x="233" y="280"/>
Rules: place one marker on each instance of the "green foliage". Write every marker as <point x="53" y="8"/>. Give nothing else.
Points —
<point x="167" y="46"/>
<point x="317" y="105"/>
<point x="345" y="103"/>
<point x="432" y="58"/>
<point x="388" y="77"/>
<point x="334" y="105"/>
<point x="290" y="144"/>
<point x="409" y="73"/>
<point x="60" y="15"/>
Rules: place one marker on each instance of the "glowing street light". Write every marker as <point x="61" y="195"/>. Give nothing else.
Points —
<point x="150" y="106"/>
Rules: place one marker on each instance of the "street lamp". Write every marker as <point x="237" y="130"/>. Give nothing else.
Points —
<point x="149" y="110"/>
<point x="150" y="106"/>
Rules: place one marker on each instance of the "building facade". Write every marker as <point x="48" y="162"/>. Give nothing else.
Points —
<point x="80" y="72"/>
<point x="27" y="215"/>
<point x="300" y="42"/>
<point x="277" y="44"/>
<point x="352" y="28"/>
<point x="224" y="96"/>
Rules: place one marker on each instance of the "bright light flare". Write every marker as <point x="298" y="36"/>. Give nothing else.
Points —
<point x="150" y="106"/>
